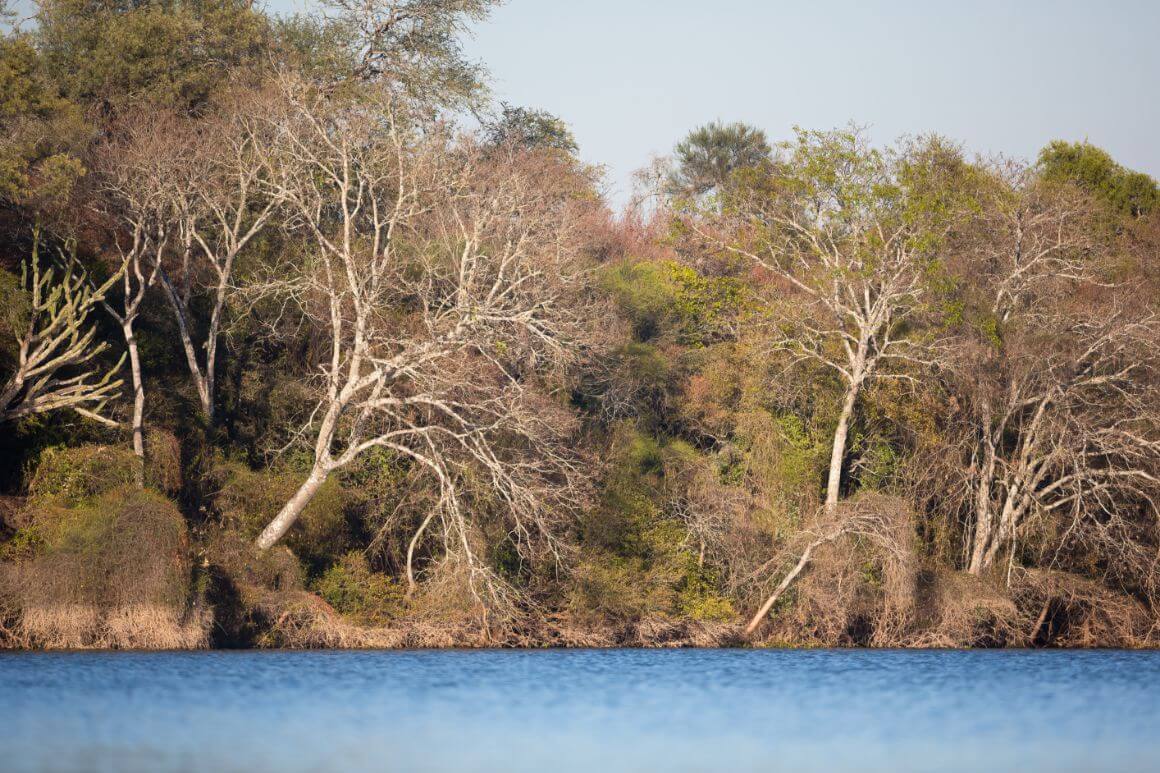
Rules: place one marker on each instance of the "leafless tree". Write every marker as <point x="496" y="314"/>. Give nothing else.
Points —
<point x="220" y="206"/>
<point x="189" y="193"/>
<point x="57" y="346"/>
<point x="437" y="277"/>
<point x="1057" y="382"/>
<point x="137" y="186"/>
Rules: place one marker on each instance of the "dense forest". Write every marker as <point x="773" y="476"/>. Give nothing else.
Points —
<point x="305" y="341"/>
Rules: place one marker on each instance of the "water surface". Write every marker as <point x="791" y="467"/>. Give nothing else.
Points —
<point x="631" y="710"/>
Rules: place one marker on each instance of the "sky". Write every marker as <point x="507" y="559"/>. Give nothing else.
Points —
<point x="634" y="76"/>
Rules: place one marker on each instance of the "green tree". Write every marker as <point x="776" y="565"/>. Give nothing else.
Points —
<point x="710" y="154"/>
<point x="113" y="53"/>
<point x="40" y="131"/>
<point x="1093" y="170"/>
<point x="524" y="127"/>
<point x="414" y="46"/>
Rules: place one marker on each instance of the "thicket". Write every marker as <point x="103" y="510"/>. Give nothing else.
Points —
<point x="293" y="354"/>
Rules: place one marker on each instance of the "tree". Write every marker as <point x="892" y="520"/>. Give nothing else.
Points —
<point x="710" y="154"/>
<point x="221" y="205"/>
<point x="155" y="52"/>
<point x="1055" y="372"/>
<point x="524" y="128"/>
<point x="1091" y="169"/>
<point x="57" y="346"/>
<point x="436" y="279"/>
<point x="413" y="46"/>
<point x="849" y="234"/>
<point x="42" y="134"/>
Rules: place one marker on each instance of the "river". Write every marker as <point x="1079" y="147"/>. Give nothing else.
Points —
<point x="581" y="710"/>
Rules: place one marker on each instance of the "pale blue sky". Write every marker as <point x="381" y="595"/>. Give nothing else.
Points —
<point x="633" y="76"/>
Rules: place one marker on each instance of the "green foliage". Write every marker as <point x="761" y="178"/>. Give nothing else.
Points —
<point x="354" y="590"/>
<point x="699" y="595"/>
<point x="15" y="306"/>
<point x="637" y="562"/>
<point x="522" y="127"/>
<point x="712" y="153"/>
<point x="71" y="475"/>
<point x="1093" y="170"/>
<point x="878" y="465"/>
<point x="415" y="46"/>
<point x="43" y="132"/>
<point x="668" y="298"/>
<point x="247" y="499"/>
<point x="168" y="52"/>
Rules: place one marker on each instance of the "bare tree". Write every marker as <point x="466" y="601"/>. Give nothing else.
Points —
<point x="189" y="193"/>
<point x="1056" y="378"/>
<point x="220" y="206"/>
<point x="137" y="187"/>
<point x="437" y="277"/>
<point x="57" y="347"/>
<point x="1063" y="425"/>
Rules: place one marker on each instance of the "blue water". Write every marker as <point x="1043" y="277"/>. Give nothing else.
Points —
<point x="631" y="710"/>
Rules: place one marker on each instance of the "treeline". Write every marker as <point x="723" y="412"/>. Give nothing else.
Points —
<point x="305" y="342"/>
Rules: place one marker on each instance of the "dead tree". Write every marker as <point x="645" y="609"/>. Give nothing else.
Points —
<point x="220" y="206"/>
<point x="1055" y="373"/>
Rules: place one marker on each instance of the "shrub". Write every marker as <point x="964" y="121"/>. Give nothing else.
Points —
<point x="355" y="591"/>
<point x="112" y="570"/>
<point x="69" y="475"/>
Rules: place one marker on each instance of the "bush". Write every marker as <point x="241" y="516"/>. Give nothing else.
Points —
<point x="112" y="570"/>
<point x="68" y="476"/>
<point x="358" y="593"/>
<point x="163" y="461"/>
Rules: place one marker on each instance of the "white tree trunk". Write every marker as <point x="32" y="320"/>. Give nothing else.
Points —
<point x="138" y="402"/>
<point x="838" y="451"/>
<point x="289" y="513"/>
<point x="204" y="394"/>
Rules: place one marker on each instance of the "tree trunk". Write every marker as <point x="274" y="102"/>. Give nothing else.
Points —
<point x="293" y="508"/>
<point x="984" y="525"/>
<point x="204" y="395"/>
<point x="838" y="452"/>
<point x="138" y="402"/>
<point x="787" y="580"/>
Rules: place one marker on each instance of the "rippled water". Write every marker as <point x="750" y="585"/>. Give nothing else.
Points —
<point x="581" y="710"/>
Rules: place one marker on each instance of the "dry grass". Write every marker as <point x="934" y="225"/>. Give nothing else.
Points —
<point x="107" y="571"/>
<point x="140" y="627"/>
<point x="960" y="610"/>
<point x="1067" y="610"/>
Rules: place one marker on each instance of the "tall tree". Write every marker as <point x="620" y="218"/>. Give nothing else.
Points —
<point x="710" y="154"/>
<point x="1055" y="371"/>
<point x="437" y="275"/>
<point x="850" y="233"/>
